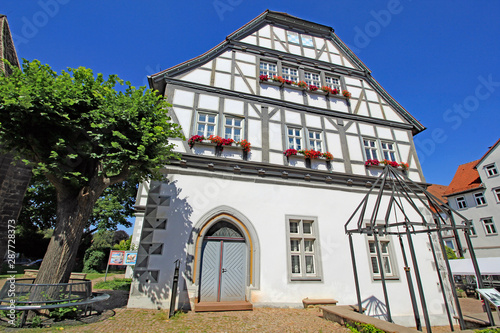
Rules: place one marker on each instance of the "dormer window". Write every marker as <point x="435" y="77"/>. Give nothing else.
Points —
<point x="293" y="37"/>
<point x="461" y="203"/>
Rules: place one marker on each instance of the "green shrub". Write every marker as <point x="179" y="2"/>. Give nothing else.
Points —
<point x="450" y="253"/>
<point x="116" y="284"/>
<point x="489" y="330"/>
<point x="363" y="328"/>
<point x="69" y="312"/>
<point x="94" y="259"/>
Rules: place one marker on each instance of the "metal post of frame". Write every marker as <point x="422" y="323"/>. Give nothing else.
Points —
<point x="479" y="278"/>
<point x="441" y="281"/>
<point x="355" y="270"/>
<point x="382" y="276"/>
<point x="455" y="235"/>
<point x="419" y="281"/>
<point x="452" y="282"/>
<point x="418" y="323"/>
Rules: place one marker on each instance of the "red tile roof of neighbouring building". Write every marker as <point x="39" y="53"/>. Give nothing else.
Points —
<point x="466" y="178"/>
<point x="438" y="191"/>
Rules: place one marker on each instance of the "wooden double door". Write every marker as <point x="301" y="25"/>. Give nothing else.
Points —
<point x="223" y="270"/>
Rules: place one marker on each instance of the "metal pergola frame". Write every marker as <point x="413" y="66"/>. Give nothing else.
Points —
<point x="402" y="191"/>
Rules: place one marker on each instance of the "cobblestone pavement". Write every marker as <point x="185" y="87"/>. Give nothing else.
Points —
<point x="258" y="320"/>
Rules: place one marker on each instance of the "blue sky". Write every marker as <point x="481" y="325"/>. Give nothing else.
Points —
<point x="439" y="60"/>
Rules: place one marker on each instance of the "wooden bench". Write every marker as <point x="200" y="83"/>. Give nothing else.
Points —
<point x="311" y="302"/>
<point x="32" y="273"/>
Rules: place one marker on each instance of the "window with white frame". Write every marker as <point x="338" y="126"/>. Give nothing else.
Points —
<point x="307" y="40"/>
<point x="206" y="123"/>
<point x="388" y="150"/>
<point x="480" y="199"/>
<point x="332" y="82"/>
<point x="294" y="138"/>
<point x="303" y="248"/>
<point x="461" y="203"/>
<point x="489" y="226"/>
<point x="290" y="73"/>
<point x="233" y="128"/>
<point x="497" y="194"/>
<point x="491" y="170"/>
<point x="388" y="263"/>
<point x="315" y="141"/>
<point x="269" y="69"/>
<point x="472" y="229"/>
<point x="370" y="149"/>
<point x="312" y="79"/>
<point x="292" y="37"/>
<point x="386" y="259"/>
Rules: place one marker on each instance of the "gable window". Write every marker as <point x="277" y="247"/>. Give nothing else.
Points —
<point x="292" y="37"/>
<point x="294" y="138"/>
<point x="233" y="128"/>
<point x="388" y="151"/>
<point x="480" y="200"/>
<point x="206" y="124"/>
<point x="312" y="79"/>
<point x="489" y="226"/>
<point x="497" y="194"/>
<point x="461" y="203"/>
<point x="332" y="82"/>
<point x="269" y="69"/>
<point x="491" y="170"/>
<point x="370" y="149"/>
<point x="303" y="248"/>
<point x="290" y="73"/>
<point x="307" y="40"/>
<point x="315" y="141"/>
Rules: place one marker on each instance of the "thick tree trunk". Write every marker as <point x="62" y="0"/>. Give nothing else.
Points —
<point x="73" y="212"/>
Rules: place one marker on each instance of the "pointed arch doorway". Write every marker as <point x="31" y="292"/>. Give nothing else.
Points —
<point x="223" y="269"/>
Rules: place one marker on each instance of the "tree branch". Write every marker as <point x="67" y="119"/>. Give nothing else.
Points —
<point x="122" y="176"/>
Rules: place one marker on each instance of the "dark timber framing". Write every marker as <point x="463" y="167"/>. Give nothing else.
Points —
<point x="159" y="80"/>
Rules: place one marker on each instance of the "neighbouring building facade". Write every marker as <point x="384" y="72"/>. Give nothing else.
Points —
<point x="14" y="178"/>
<point x="264" y="224"/>
<point x="474" y="192"/>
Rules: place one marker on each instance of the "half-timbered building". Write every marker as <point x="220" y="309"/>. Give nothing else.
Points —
<point x="284" y="125"/>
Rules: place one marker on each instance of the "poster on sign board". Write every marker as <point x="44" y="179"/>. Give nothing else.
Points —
<point x="130" y="258"/>
<point x="116" y="257"/>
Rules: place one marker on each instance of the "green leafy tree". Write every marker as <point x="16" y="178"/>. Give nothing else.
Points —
<point x="84" y="136"/>
<point x="96" y="255"/>
<point x="112" y="208"/>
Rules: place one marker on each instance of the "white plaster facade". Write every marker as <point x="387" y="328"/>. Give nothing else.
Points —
<point x="263" y="193"/>
<point x="484" y="213"/>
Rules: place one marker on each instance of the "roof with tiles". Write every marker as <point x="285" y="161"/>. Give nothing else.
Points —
<point x="438" y="191"/>
<point x="466" y="178"/>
